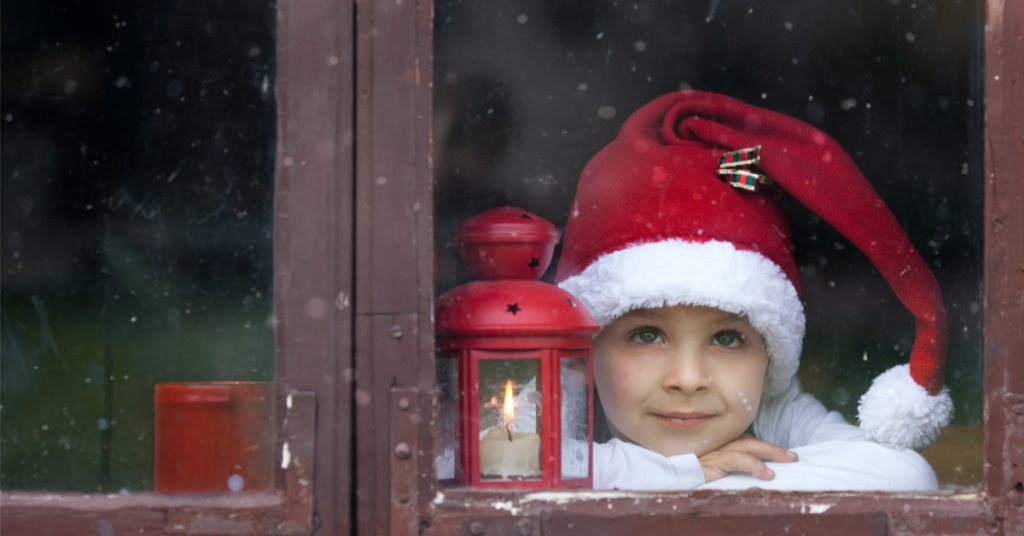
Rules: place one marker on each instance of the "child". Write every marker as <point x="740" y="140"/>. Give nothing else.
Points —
<point x="685" y="260"/>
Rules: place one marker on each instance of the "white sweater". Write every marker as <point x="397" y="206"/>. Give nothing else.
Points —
<point x="834" y="455"/>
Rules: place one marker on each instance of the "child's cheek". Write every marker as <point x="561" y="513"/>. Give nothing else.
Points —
<point x="617" y="381"/>
<point x="741" y="384"/>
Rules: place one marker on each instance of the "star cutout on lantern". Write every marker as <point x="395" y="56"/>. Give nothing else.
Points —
<point x="513" y="308"/>
<point x="534" y="263"/>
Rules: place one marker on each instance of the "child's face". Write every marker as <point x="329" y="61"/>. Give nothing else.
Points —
<point x="681" y="379"/>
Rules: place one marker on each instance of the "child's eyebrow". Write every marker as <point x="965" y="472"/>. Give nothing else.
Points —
<point x="732" y="318"/>
<point x="643" y="313"/>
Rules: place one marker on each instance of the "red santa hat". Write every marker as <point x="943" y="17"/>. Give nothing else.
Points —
<point x="679" y="209"/>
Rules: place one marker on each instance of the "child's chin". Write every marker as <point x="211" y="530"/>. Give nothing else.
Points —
<point x="678" y="449"/>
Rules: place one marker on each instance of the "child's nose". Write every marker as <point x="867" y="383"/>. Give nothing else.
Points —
<point x="688" y="372"/>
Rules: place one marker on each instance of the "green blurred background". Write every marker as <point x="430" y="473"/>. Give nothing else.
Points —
<point x="138" y="144"/>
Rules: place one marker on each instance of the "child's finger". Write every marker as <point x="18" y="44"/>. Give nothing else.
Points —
<point x="719" y="464"/>
<point x="740" y="462"/>
<point x="762" y="450"/>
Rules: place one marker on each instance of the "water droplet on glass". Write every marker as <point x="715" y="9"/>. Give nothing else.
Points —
<point x="236" y="483"/>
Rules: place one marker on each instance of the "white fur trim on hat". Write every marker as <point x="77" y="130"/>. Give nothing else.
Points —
<point x="710" y="274"/>
<point x="898" y="412"/>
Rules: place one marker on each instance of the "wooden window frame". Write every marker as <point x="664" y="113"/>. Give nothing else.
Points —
<point x="353" y="290"/>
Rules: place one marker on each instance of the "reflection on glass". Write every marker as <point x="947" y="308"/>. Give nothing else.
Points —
<point x="510" y="419"/>
<point x="574" y="417"/>
<point x="448" y="462"/>
<point x="136" y="226"/>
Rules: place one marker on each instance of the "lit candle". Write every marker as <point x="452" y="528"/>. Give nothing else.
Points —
<point x="506" y="453"/>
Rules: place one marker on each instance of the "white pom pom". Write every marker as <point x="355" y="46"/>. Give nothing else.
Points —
<point x="898" y="412"/>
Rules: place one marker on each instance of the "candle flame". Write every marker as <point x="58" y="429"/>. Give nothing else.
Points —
<point x="509" y="407"/>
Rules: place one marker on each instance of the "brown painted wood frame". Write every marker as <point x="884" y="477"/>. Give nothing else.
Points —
<point x="353" y="302"/>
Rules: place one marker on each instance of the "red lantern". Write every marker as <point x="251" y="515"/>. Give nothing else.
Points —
<point x="515" y="368"/>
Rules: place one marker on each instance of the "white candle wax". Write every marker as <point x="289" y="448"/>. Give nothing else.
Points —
<point x="502" y="458"/>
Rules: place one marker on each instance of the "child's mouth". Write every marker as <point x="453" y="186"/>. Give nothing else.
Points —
<point x="682" y="420"/>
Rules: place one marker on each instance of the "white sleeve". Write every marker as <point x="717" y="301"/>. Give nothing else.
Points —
<point x="794" y="419"/>
<point x="834" y="455"/>
<point x="621" y="465"/>
<point x="842" y="465"/>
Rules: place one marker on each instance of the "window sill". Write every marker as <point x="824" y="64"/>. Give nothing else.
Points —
<point x="65" y="513"/>
<point x="462" y="511"/>
<point x="284" y="511"/>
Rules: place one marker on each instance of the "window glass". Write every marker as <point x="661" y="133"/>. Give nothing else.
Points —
<point x="527" y="92"/>
<point x="138" y="146"/>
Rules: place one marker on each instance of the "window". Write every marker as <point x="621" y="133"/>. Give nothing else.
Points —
<point x="138" y="181"/>
<point x="526" y="95"/>
<point x="353" y="292"/>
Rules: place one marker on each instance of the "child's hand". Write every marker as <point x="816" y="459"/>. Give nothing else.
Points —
<point x="745" y="455"/>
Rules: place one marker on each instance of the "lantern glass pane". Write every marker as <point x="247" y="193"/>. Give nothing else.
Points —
<point x="575" y="418"/>
<point x="448" y="449"/>
<point x="510" y="419"/>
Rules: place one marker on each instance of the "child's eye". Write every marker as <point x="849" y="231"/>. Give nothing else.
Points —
<point x="728" y="338"/>
<point x="647" y="336"/>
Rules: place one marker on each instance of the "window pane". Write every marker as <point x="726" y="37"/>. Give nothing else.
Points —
<point x="136" y="246"/>
<point x="527" y="93"/>
<point x="449" y="456"/>
<point x="575" y="418"/>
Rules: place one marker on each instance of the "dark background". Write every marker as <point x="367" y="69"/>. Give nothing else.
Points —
<point x="137" y="172"/>
<point x="137" y="178"/>
<point x="526" y="92"/>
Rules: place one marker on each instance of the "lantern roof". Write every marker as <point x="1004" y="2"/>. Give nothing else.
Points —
<point x="514" y="307"/>
<point x="509" y="249"/>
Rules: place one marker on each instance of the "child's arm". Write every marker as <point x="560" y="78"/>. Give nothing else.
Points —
<point x="621" y="465"/>
<point x="834" y="455"/>
<point x="842" y="465"/>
